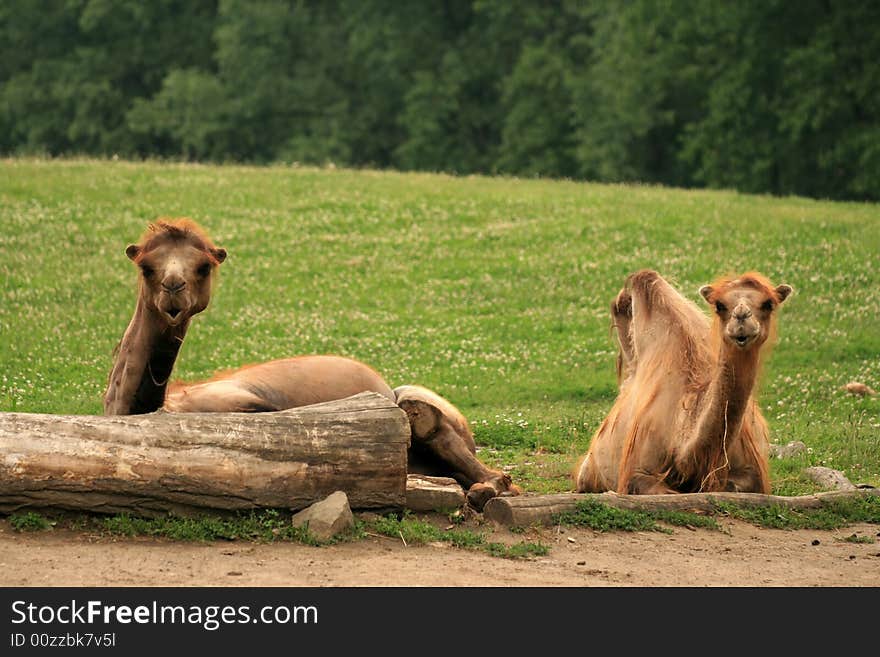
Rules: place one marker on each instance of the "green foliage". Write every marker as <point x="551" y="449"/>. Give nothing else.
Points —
<point x="602" y="518"/>
<point x="833" y="515"/>
<point x="29" y="522"/>
<point x="267" y="525"/>
<point x="760" y="95"/>
<point x="413" y="531"/>
<point x="855" y="538"/>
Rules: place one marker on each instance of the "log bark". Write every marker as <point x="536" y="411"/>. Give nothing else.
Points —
<point x="190" y="462"/>
<point x="526" y="510"/>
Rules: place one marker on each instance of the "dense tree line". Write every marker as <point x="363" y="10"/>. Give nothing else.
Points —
<point x="759" y="95"/>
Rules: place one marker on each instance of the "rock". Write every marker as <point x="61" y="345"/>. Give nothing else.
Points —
<point x="327" y="518"/>
<point x="828" y="478"/>
<point x="859" y="389"/>
<point x="793" y="448"/>
<point x="425" y="493"/>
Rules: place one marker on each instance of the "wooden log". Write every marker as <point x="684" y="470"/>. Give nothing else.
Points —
<point x="528" y="510"/>
<point x="189" y="462"/>
<point x="424" y="493"/>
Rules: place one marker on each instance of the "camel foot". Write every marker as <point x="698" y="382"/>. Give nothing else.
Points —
<point x="482" y="492"/>
<point x="479" y="494"/>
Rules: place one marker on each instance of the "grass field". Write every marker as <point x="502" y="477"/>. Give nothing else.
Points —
<point x="492" y="291"/>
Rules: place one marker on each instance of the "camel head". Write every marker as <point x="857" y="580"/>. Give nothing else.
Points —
<point x="745" y="307"/>
<point x="177" y="262"/>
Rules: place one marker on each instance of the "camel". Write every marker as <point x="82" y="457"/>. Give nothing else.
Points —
<point x="177" y="262"/>
<point x="686" y="418"/>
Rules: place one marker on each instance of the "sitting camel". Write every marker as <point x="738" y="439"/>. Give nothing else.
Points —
<point x="177" y="264"/>
<point x="685" y="419"/>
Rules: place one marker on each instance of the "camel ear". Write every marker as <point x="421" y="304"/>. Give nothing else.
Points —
<point x="783" y="292"/>
<point x="706" y="292"/>
<point x="219" y="254"/>
<point x="132" y="251"/>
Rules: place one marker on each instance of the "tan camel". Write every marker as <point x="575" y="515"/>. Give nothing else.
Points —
<point x="177" y="261"/>
<point x="685" y="418"/>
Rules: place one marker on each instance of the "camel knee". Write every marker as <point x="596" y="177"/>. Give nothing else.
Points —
<point x="587" y="477"/>
<point x="646" y="484"/>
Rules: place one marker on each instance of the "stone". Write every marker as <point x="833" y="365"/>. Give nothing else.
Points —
<point x="793" y="448"/>
<point x="828" y="478"/>
<point x="327" y="518"/>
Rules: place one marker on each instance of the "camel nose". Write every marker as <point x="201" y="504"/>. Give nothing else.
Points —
<point x="741" y="313"/>
<point x="173" y="286"/>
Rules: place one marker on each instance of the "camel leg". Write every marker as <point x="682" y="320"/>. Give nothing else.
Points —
<point x="588" y="478"/>
<point x="435" y="437"/>
<point x="621" y="316"/>
<point x="645" y="483"/>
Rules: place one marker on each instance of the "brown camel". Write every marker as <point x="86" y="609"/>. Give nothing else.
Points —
<point x="177" y="261"/>
<point x="685" y="418"/>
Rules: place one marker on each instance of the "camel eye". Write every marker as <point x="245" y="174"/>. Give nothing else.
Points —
<point x="720" y="307"/>
<point x="204" y="269"/>
<point x="147" y="271"/>
<point x="767" y="306"/>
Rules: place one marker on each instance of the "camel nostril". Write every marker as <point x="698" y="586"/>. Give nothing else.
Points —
<point x="174" y="288"/>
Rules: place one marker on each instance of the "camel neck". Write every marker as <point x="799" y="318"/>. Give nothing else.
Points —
<point x="144" y="361"/>
<point x="723" y="410"/>
<point x="735" y="380"/>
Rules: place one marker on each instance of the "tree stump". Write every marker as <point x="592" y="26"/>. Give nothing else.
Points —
<point x="188" y="462"/>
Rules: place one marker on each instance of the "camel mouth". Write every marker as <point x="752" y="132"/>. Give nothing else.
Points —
<point x="742" y="341"/>
<point x="173" y="315"/>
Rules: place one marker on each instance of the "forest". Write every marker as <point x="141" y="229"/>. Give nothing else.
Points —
<point x="760" y="96"/>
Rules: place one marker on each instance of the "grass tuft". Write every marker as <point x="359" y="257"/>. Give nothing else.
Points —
<point x="420" y="532"/>
<point x="29" y="522"/>
<point x="834" y="515"/>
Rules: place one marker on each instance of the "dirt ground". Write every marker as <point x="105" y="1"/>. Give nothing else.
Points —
<point x="739" y="555"/>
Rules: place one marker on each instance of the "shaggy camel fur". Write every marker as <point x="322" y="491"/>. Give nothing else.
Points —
<point x="685" y="419"/>
<point x="177" y="262"/>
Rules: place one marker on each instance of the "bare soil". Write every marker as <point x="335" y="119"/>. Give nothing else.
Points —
<point x="739" y="555"/>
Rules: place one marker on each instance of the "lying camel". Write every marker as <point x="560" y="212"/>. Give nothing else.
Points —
<point x="178" y="262"/>
<point x="686" y="419"/>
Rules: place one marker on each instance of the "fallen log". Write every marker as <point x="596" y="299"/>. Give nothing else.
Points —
<point x="189" y="462"/>
<point x="528" y="510"/>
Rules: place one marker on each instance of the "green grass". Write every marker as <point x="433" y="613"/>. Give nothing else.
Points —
<point x="856" y="538"/>
<point x="266" y="525"/>
<point x="492" y="291"/>
<point x="415" y="531"/>
<point x="833" y="515"/>
<point x="271" y="525"/>
<point x="603" y="518"/>
<point x="29" y="522"/>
